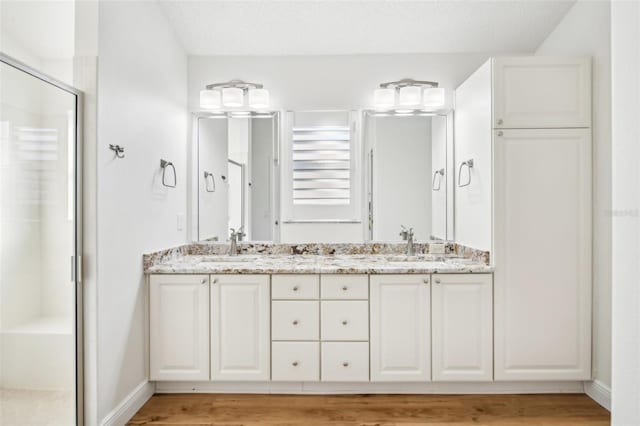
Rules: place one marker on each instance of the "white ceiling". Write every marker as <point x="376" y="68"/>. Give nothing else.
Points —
<point x="316" y="27"/>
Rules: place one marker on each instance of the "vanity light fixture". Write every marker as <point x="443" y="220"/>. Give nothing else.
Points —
<point x="411" y="93"/>
<point x="231" y="94"/>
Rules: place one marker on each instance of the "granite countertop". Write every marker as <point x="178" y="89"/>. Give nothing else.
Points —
<point x="317" y="264"/>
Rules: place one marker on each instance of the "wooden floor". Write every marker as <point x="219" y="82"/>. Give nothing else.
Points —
<point x="370" y="410"/>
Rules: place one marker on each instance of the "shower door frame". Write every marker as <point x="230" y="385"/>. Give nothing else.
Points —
<point x="76" y="260"/>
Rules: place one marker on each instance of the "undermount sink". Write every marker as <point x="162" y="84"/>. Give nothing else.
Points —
<point x="229" y="259"/>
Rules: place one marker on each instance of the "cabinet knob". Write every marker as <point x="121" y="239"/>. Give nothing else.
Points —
<point x="500" y="121"/>
<point x="426" y="280"/>
<point x="345" y="288"/>
<point x="345" y="364"/>
<point x="344" y="322"/>
<point x="203" y="281"/>
<point x="295" y="288"/>
<point x="500" y="133"/>
<point x="438" y="281"/>
<point x="215" y="280"/>
<point x="295" y="322"/>
<point x="294" y="363"/>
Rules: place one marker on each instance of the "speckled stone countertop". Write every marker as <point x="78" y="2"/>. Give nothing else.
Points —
<point x="316" y="264"/>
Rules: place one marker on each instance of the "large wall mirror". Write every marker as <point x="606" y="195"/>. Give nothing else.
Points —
<point x="235" y="176"/>
<point x="405" y="178"/>
<point x="408" y="158"/>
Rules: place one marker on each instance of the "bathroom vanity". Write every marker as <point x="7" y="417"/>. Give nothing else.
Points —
<point x="320" y="318"/>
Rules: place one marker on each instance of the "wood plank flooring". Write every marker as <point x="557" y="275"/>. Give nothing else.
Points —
<point x="370" y="410"/>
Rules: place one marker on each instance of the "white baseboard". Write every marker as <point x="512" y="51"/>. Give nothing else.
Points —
<point x="130" y="405"/>
<point x="370" y="388"/>
<point x="599" y="392"/>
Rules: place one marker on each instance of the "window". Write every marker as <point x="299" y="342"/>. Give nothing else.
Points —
<point x="319" y="167"/>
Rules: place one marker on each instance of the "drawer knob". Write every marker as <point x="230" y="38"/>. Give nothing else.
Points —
<point x="203" y="281"/>
<point x="215" y="280"/>
<point x="500" y="121"/>
<point x="438" y="281"/>
<point x="345" y="364"/>
<point x="295" y="322"/>
<point x="295" y="288"/>
<point x="294" y="363"/>
<point x="345" y="288"/>
<point x="426" y="280"/>
<point x="344" y="322"/>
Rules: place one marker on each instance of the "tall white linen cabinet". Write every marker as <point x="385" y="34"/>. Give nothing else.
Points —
<point x="526" y="123"/>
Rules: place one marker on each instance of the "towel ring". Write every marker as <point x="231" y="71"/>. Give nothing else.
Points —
<point x="469" y="164"/>
<point x="163" y="165"/>
<point x="208" y="188"/>
<point x="437" y="177"/>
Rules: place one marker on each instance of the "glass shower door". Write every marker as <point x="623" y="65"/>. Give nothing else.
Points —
<point x="38" y="245"/>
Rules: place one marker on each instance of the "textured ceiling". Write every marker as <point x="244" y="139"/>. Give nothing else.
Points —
<point x="314" y="27"/>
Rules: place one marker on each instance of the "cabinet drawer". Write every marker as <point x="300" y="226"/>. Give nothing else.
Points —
<point x="345" y="320"/>
<point x="344" y="287"/>
<point x="345" y="362"/>
<point x="297" y="320"/>
<point x="294" y="286"/>
<point x="295" y="361"/>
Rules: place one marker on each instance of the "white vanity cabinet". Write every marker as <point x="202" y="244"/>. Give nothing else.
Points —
<point x="240" y="317"/>
<point x="400" y="312"/>
<point x="462" y="324"/>
<point x="179" y="327"/>
<point x="525" y="122"/>
<point x="542" y="252"/>
<point x="537" y="92"/>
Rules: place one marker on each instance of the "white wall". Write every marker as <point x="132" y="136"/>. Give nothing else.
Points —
<point x="327" y="82"/>
<point x="585" y="31"/>
<point x="625" y="77"/>
<point x="473" y="135"/>
<point x="142" y="80"/>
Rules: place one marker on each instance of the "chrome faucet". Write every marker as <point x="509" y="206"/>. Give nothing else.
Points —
<point x="407" y="235"/>
<point x="233" y="249"/>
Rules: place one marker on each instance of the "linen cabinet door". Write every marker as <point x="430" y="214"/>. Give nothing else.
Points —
<point x="240" y="316"/>
<point x="537" y="92"/>
<point x="462" y="327"/>
<point x="400" y="328"/>
<point x="179" y="327"/>
<point x="542" y="292"/>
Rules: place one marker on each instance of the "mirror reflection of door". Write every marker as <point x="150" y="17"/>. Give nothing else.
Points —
<point x="236" y="204"/>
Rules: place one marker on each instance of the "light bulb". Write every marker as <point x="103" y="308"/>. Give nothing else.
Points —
<point x="209" y="99"/>
<point x="433" y="97"/>
<point x="409" y="95"/>
<point x="258" y="98"/>
<point x="384" y="98"/>
<point x="232" y="97"/>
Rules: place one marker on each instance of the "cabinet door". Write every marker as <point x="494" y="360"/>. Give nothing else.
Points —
<point x="462" y="327"/>
<point x="179" y="327"/>
<point x="400" y="328"/>
<point x="542" y="254"/>
<point x="240" y="340"/>
<point x="541" y="92"/>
